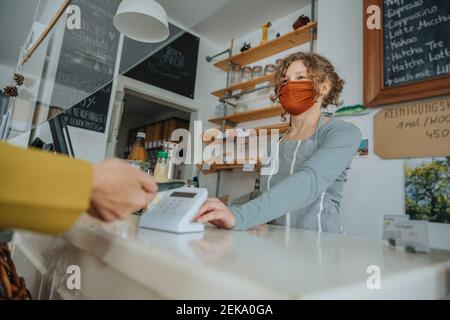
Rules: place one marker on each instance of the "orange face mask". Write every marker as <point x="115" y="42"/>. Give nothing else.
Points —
<point x="297" y="97"/>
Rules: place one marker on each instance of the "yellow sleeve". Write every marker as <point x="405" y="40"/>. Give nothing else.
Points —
<point x="40" y="191"/>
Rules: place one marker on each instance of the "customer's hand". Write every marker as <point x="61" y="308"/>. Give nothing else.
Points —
<point x="118" y="190"/>
<point x="217" y="213"/>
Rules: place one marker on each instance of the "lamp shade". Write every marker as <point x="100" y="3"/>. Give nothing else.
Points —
<point x="142" y="20"/>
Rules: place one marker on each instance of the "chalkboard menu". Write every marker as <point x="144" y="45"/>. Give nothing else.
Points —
<point x="173" y="68"/>
<point x="88" y="55"/>
<point x="416" y="40"/>
<point x="91" y="113"/>
<point x="134" y="52"/>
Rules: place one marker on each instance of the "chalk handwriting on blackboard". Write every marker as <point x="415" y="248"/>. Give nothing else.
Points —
<point x="417" y="40"/>
<point x="91" y="113"/>
<point x="88" y="55"/>
<point x="169" y="63"/>
<point x="172" y="68"/>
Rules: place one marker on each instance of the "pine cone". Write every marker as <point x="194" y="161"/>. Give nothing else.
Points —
<point x="19" y="79"/>
<point x="11" y="91"/>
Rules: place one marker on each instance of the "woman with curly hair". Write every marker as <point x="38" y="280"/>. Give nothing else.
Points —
<point x="314" y="156"/>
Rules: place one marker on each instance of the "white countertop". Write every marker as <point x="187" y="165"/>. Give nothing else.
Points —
<point x="265" y="263"/>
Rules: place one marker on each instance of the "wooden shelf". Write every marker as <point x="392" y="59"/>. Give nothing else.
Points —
<point x="282" y="127"/>
<point x="224" y="167"/>
<point x="248" y="85"/>
<point x="251" y="115"/>
<point x="285" y="42"/>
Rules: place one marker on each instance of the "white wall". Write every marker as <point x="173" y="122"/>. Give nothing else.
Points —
<point x="6" y="74"/>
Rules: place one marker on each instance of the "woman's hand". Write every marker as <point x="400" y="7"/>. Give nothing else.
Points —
<point x="217" y="213"/>
<point x="118" y="190"/>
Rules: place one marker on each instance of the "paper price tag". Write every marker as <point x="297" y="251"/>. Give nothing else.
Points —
<point x="389" y="225"/>
<point x="413" y="235"/>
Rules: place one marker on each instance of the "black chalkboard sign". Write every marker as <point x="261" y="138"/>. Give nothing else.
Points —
<point x="91" y="113"/>
<point x="133" y="52"/>
<point x="88" y="56"/>
<point x="173" y="68"/>
<point x="416" y="40"/>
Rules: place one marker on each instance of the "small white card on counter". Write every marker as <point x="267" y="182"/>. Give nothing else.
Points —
<point x="413" y="235"/>
<point x="389" y="225"/>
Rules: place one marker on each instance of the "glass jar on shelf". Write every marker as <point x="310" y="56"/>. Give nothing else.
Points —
<point x="246" y="74"/>
<point x="269" y="69"/>
<point x="278" y="63"/>
<point x="241" y="107"/>
<point x="161" y="171"/>
<point x="257" y="72"/>
<point x="229" y="109"/>
<point x="219" y="110"/>
<point x="235" y="76"/>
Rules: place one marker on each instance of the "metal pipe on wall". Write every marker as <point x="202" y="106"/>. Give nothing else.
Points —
<point x="230" y="54"/>
<point x="312" y="31"/>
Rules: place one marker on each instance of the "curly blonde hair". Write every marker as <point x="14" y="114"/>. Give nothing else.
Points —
<point x="319" y="70"/>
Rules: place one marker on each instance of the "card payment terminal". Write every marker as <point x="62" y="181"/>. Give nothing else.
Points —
<point x="175" y="211"/>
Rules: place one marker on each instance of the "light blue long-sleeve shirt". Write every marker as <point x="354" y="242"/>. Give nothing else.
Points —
<point x="323" y="172"/>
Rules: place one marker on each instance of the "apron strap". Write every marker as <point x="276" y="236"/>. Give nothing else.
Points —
<point x="321" y="120"/>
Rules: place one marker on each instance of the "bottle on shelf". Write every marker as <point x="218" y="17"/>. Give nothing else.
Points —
<point x="165" y="132"/>
<point x="196" y="182"/>
<point x="162" y="169"/>
<point x="149" y="138"/>
<point x="138" y="152"/>
<point x="157" y="135"/>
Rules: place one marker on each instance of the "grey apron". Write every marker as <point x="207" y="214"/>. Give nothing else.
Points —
<point x="322" y="214"/>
